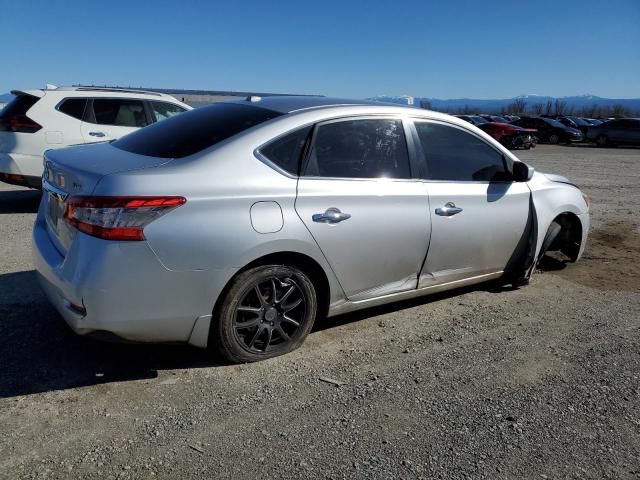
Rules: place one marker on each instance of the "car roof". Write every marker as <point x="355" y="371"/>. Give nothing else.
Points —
<point x="81" y="90"/>
<point x="294" y="103"/>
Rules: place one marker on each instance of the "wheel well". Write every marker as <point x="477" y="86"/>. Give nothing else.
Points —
<point x="305" y="263"/>
<point x="569" y="239"/>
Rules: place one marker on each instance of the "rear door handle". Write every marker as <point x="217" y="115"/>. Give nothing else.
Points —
<point x="97" y="134"/>
<point x="331" y="215"/>
<point x="448" y="210"/>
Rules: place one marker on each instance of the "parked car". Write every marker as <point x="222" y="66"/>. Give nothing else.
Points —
<point x="550" y="130"/>
<point x="580" y="123"/>
<point x="511" y="136"/>
<point x="621" y="131"/>
<point x="571" y="122"/>
<point x="511" y="118"/>
<point x="473" y="119"/>
<point x="238" y="224"/>
<point x="566" y="121"/>
<point x="592" y="121"/>
<point x="38" y="120"/>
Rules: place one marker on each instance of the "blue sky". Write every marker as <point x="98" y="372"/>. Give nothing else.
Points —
<point x="440" y="49"/>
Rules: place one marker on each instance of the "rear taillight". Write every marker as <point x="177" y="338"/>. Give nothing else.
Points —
<point x="117" y="218"/>
<point x="19" y="124"/>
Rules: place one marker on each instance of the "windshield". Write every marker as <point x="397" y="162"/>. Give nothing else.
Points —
<point x="195" y="130"/>
<point x="478" y="119"/>
<point x="554" y="123"/>
<point x="579" y="121"/>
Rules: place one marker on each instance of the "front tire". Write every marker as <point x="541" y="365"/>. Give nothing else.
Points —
<point x="268" y="311"/>
<point x="602" y="140"/>
<point x="554" y="139"/>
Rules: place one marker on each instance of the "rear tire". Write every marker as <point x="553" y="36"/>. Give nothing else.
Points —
<point x="602" y="140"/>
<point x="268" y="311"/>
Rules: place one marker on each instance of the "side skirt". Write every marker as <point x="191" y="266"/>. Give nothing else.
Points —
<point x="346" y="306"/>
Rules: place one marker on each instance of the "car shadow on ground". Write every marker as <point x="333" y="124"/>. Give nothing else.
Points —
<point x="19" y="201"/>
<point x="39" y="353"/>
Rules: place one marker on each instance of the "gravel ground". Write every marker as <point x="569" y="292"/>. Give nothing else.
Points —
<point x="539" y="382"/>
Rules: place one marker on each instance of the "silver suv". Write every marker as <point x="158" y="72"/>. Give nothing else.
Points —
<point x="39" y="120"/>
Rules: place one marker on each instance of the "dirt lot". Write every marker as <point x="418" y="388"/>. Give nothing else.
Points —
<point x="539" y="382"/>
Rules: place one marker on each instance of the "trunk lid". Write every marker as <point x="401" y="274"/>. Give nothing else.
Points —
<point x="77" y="171"/>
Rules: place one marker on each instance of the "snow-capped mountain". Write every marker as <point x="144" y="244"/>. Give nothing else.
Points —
<point x="496" y="105"/>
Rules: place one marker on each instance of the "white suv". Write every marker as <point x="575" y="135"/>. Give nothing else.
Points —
<point x="39" y="120"/>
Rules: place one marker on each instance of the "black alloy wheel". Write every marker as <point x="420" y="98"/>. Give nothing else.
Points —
<point x="268" y="311"/>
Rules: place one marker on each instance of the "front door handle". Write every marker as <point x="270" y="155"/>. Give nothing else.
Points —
<point x="331" y="215"/>
<point x="98" y="134"/>
<point x="448" y="210"/>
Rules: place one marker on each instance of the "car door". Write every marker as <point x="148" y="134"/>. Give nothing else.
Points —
<point x="479" y="216"/>
<point x="357" y="198"/>
<point x="112" y="118"/>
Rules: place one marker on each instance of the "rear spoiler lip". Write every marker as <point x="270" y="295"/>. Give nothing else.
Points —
<point x="33" y="93"/>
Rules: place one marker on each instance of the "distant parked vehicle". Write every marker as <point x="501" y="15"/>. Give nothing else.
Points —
<point x="621" y="131"/>
<point x="39" y="120"/>
<point x="582" y="123"/>
<point x="566" y="121"/>
<point x="473" y="119"/>
<point x="573" y="122"/>
<point x="550" y="130"/>
<point x="592" y="121"/>
<point x="511" y="136"/>
<point x="511" y="118"/>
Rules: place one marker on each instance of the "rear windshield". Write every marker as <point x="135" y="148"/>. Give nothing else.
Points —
<point x="194" y="131"/>
<point x="18" y="106"/>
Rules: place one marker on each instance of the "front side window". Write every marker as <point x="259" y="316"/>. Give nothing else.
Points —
<point x="286" y="151"/>
<point x="455" y="155"/>
<point x="366" y="148"/>
<point x="74" y="107"/>
<point x="164" y="110"/>
<point x="119" y="112"/>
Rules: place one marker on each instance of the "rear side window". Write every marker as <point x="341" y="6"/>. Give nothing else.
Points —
<point x="286" y="152"/>
<point x="455" y="155"/>
<point x="359" y="149"/>
<point x="73" y="107"/>
<point x="119" y="112"/>
<point x="195" y="130"/>
<point x="164" y="110"/>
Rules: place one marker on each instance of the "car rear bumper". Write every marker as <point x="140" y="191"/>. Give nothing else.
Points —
<point x="122" y="288"/>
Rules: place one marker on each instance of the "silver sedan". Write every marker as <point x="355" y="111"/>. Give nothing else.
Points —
<point x="237" y="225"/>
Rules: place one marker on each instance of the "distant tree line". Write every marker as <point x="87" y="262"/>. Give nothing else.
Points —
<point x="552" y="107"/>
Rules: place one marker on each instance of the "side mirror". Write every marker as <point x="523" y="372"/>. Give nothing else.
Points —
<point x="522" y="172"/>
